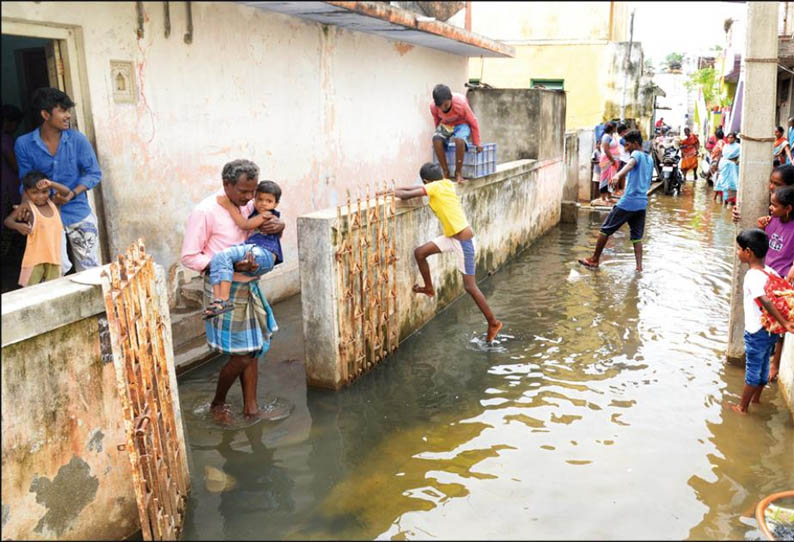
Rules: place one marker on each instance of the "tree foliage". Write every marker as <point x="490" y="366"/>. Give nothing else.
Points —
<point x="706" y="79"/>
<point x="674" y="61"/>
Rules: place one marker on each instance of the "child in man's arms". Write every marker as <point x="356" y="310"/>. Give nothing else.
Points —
<point x="260" y="248"/>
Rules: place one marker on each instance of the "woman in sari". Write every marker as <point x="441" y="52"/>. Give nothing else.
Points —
<point x="689" y="154"/>
<point x="608" y="161"/>
<point x="716" y="152"/>
<point x="781" y="150"/>
<point x="729" y="169"/>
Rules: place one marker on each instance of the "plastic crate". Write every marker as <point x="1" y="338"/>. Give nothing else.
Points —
<point x="475" y="164"/>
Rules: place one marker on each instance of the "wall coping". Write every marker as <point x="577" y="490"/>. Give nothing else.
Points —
<point x="503" y="171"/>
<point x="37" y="309"/>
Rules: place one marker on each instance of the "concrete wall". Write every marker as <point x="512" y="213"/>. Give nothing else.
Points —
<point x="507" y="210"/>
<point x="585" y="174"/>
<point x="578" y="172"/>
<point x="320" y="109"/>
<point x="565" y="21"/>
<point x="555" y="40"/>
<point x="786" y="375"/>
<point x="570" y="191"/>
<point x="63" y="475"/>
<point x="524" y="123"/>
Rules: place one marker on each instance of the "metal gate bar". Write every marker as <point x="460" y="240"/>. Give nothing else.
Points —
<point x="138" y="341"/>
<point x="366" y="271"/>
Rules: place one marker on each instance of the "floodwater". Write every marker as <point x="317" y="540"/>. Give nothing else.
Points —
<point x="600" y="417"/>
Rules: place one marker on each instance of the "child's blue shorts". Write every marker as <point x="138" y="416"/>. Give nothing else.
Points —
<point x="462" y="131"/>
<point x="758" y="347"/>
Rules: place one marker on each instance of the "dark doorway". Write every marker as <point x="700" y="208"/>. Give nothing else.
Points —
<point x="27" y="64"/>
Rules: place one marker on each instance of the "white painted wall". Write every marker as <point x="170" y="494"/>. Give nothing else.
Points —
<point x="320" y="109"/>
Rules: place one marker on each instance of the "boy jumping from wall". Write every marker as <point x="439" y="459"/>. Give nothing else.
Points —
<point x="455" y="124"/>
<point x="458" y="238"/>
<point x="631" y="207"/>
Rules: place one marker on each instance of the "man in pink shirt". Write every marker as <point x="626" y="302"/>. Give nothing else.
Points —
<point x="455" y="123"/>
<point x="242" y="333"/>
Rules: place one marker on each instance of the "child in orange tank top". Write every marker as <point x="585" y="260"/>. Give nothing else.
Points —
<point x="42" y="259"/>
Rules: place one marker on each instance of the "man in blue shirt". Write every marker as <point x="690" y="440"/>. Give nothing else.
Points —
<point x="64" y="156"/>
<point x="631" y="207"/>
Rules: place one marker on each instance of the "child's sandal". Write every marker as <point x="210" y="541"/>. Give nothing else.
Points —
<point x="217" y="307"/>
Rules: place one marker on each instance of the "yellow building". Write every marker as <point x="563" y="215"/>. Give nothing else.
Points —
<point x="579" y="47"/>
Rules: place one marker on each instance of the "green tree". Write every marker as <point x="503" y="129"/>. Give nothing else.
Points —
<point x="706" y="79"/>
<point x="673" y="61"/>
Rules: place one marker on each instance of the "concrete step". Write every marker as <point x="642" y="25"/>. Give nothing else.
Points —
<point x="192" y="354"/>
<point x="191" y="294"/>
<point x="186" y="325"/>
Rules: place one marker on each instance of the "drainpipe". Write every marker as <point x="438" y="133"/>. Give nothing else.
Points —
<point x="468" y="16"/>
<point x="189" y="12"/>
<point x="626" y="71"/>
<point x="760" y="61"/>
<point x="611" y="20"/>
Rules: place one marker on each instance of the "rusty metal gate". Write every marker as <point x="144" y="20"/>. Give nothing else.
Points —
<point x="139" y="342"/>
<point x="366" y="272"/>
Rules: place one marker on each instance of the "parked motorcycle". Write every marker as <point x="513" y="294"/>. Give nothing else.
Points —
<point x="671" y="176"/>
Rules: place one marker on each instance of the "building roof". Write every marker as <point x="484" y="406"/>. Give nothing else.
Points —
<point x="392" y="23"/>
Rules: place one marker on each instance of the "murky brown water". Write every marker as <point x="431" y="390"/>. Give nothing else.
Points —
<point x="603" y="418"/>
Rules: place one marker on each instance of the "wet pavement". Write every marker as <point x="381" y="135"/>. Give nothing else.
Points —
<point x="600" y="415"/>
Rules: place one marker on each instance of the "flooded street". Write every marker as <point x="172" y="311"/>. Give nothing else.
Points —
<point x="601" y="416"/>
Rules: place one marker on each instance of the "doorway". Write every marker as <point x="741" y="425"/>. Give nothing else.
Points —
<point x="36" y="55"/>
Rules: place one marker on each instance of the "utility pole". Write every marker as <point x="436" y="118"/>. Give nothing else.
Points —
<point x="626" y="70"/>
<point x="755" y="163"/>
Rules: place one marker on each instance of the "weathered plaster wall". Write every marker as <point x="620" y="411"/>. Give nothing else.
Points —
<point x="63" y="476"/>
<point x="570" y="191"/>
<point x="524" y="123"/>
<point x="507" y="210"/>
<point x="786" y="375"/>
<point x="582" y="67"/>
<point x="586" y="147"/>
<point x="320" y="109"/>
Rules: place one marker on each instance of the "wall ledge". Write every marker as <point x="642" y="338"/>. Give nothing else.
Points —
<point x="35" y="310"/>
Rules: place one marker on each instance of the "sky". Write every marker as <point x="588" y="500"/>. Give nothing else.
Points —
<point x="694" y="27"/>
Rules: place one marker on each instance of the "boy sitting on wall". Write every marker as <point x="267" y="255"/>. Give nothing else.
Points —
<point x="455" y="123"/>
<point x="458" y="238"/>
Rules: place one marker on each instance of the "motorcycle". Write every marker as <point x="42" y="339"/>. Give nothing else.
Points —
<point x="671" y="174"/>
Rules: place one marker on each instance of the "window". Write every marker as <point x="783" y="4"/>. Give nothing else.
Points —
<point x="549" y="84"/>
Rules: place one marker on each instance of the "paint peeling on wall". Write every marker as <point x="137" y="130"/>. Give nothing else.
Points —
<point x="65" y="496"/>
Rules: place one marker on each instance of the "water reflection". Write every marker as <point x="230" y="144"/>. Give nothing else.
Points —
<point x="599" y="416"/>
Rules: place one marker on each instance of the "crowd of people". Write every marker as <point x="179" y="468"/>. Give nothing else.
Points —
<point x="768" y="249"/>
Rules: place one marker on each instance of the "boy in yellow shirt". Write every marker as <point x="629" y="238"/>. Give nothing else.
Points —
<point x="458" y="238"/>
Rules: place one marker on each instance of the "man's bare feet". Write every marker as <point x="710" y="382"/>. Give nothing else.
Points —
<point x="458" y="177"/>
<point x="773" y="373"/>
<point x="221" y="414"/>
<point x="639" y="269"/>
<point x="272" y="412"/>
<point x="493" y="329"/>
<point x="589" y="263"/>
<point x="737" y="408"/>
<point x="429" y="292"/>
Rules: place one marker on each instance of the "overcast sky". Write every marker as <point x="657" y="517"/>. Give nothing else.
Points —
<point x="665" y="27"/>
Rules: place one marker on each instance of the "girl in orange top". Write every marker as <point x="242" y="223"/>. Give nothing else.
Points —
<point x="42" y="259"/>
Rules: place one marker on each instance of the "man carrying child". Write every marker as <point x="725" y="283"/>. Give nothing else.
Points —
<point x="241" y="332"/>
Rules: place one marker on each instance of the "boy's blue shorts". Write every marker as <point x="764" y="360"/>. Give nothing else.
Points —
<point x="758" y="348"/>
<point x="462" y="131"/>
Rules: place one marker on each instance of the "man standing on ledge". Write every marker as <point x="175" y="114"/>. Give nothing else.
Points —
<point x="243" y="333"/>
<point x="66" y="157"/>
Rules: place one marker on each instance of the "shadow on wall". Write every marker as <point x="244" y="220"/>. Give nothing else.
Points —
<point x="524" y="123"/>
